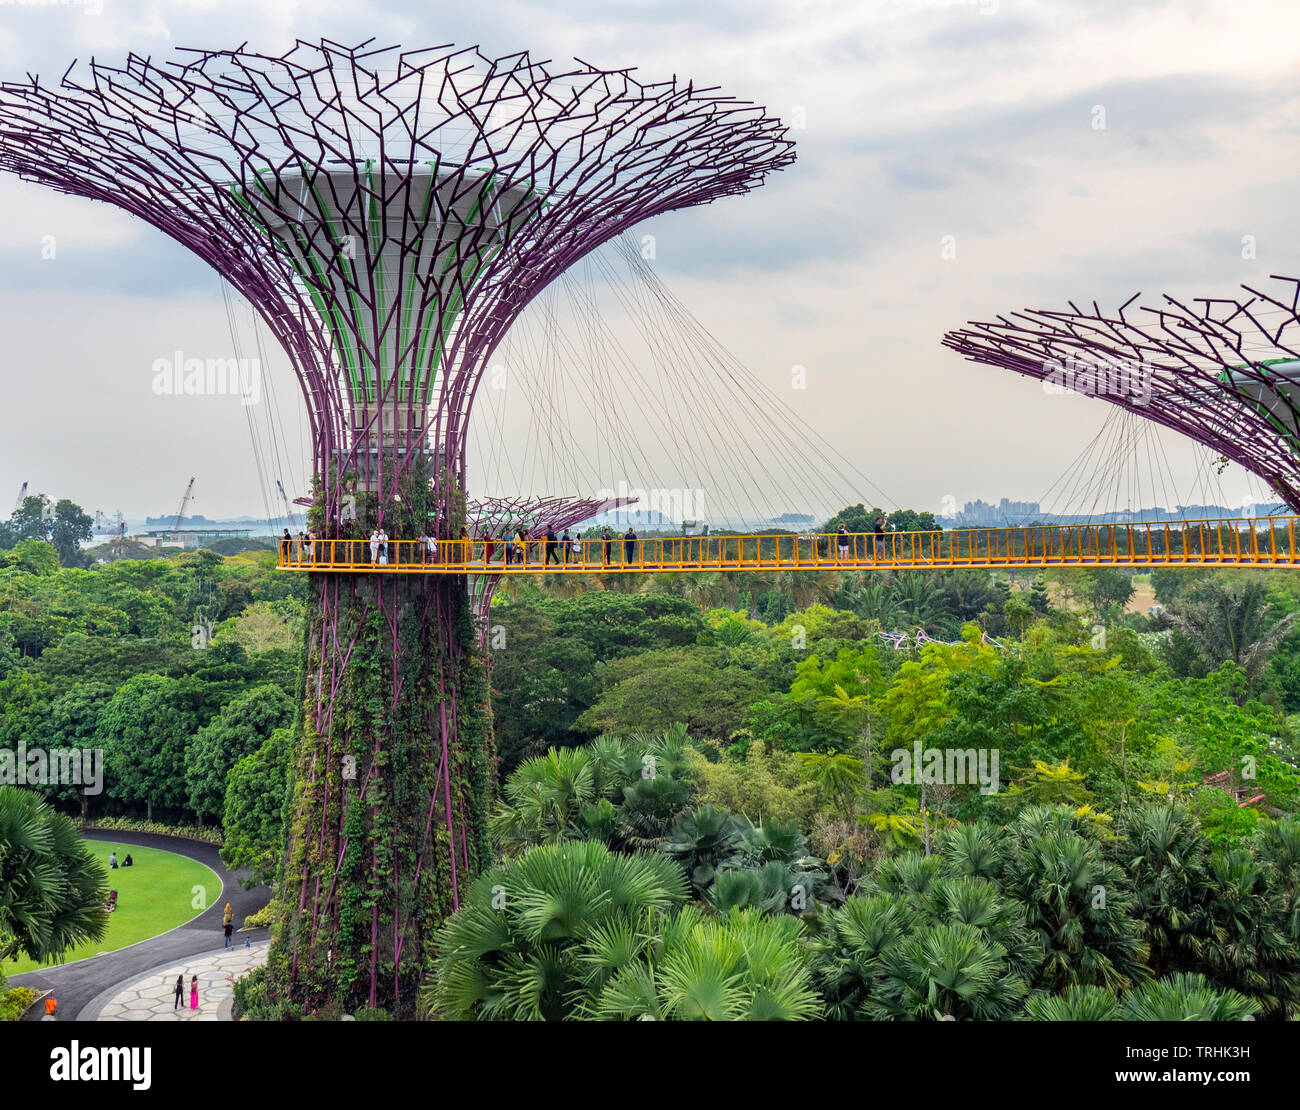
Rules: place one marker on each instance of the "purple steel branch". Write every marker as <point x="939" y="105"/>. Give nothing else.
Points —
<point x="184" y="145"/>
<point x="1184" y="351"/>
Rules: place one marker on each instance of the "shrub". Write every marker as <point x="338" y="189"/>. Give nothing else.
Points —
<point x="132" y="824"/>
<point x="14" y="1003"/>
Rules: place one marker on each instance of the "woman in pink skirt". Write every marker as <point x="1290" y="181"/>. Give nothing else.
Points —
<point x="194" y="992"/>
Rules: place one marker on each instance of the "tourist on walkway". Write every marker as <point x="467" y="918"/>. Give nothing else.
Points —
<point x="180" y="991"/>
<point x="229" y="929"/>
<point x="566" y="542"/>
<point x="488" y="547"/>
<point x="629" y="546"/>
<point x="879" y="529"/>
<point x="194" y="993"/>
<point x="309" y="548"/>
<point x="551" y="556"/>
<point x="374" y="545"/>
<point x="383" y="547"/>
<point x="843" y="541"/>
<point x="285" y="544"/>
<point x="521" y="548"/>
<point x="609" y="547"/>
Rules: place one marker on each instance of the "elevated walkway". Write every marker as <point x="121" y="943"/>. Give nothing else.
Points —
<point x="1232" y="542"/>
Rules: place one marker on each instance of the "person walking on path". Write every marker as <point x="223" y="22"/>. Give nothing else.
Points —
<point x="551" y="543"/>
<point x="180" y="991"/>
<point x="609" y="547"/>
<point x="229" y="928"/>
<point x="566" y="542"/>
<point x="194" y="992"/>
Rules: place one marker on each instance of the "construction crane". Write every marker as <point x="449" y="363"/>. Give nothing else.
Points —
<point x="290" y="518"/>
<point x="22" y="494"/>
<point x="180" y="516"/>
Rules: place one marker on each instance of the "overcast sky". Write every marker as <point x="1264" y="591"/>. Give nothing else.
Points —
<point x="917" y="121"/>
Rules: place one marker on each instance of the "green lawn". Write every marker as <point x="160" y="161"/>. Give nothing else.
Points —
<point x="154" y="895"/>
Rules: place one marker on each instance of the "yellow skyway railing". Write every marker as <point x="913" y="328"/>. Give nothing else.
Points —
<point x="1231" y="542"/>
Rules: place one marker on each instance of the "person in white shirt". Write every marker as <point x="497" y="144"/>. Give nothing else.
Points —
<point x="383" y="547"/>
<point x="374" y="545"/>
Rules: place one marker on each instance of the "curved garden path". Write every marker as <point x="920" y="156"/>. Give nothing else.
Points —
<point x="78" y="984"/>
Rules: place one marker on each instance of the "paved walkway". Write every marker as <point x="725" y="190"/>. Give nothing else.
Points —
<point x="152" y="996"/>
<point x="77" y="984"/>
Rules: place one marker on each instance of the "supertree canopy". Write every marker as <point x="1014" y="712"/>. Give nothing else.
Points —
<point x="388" y="214"/>
<point x="1223" y="371"/>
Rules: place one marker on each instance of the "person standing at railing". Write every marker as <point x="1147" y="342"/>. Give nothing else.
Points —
<point x="879" y="529"/>
<point x="629" y="546"/>
<point x="383" y="547"/>
<point x="428" y="548"/>
<point x="521" y="548"/>
<point x="374" y="545"/>
<point x="609" y="547"/>
<point x="309" y="549"/>
<point x="842" y="543"/>
<point x="285" y="542"/>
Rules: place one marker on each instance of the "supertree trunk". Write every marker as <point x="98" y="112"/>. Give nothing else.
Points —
<point x="387" y="815"/>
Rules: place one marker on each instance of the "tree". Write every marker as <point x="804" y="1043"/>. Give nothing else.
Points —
<point x="52" y="888"/>
<point x="539" y="937"/>
<point x="650" y="691"/>
<point x="242" y="726"/>
<point x="143" y="731"/>
<point x="256" y="789"/>
<point x="69" y="529"/>
<point x="1234" y="624"/>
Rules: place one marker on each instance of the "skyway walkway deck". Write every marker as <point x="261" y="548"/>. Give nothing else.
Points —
<point x="1233" y="542"/>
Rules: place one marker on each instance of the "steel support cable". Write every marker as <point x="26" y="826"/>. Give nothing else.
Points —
<point x="720" y="408"/>
<point x="760" y="392"/>
<point x="248" y="415"/>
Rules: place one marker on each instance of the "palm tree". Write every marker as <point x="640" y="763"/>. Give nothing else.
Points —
<point x="917" y="600"/>
<point x="1076" y="1004"/>
<point x="1184" y="997"/>
<point x="837" y="776"/>
<point x="740" y="966"/>
<point x="1233" y="624"/>
<point x="543" y="934"/>
<point x="1163" y="853"/>
<point x="702" y="841"/>
<point x="1077" y="902"/>
<point x="1250" y="946"/>
<point x="52" y="889"/>
<point x="544" y="798"/>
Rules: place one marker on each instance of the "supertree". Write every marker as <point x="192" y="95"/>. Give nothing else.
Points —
<point x="1223" y="371"/>
<point x="388" y="214"/>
